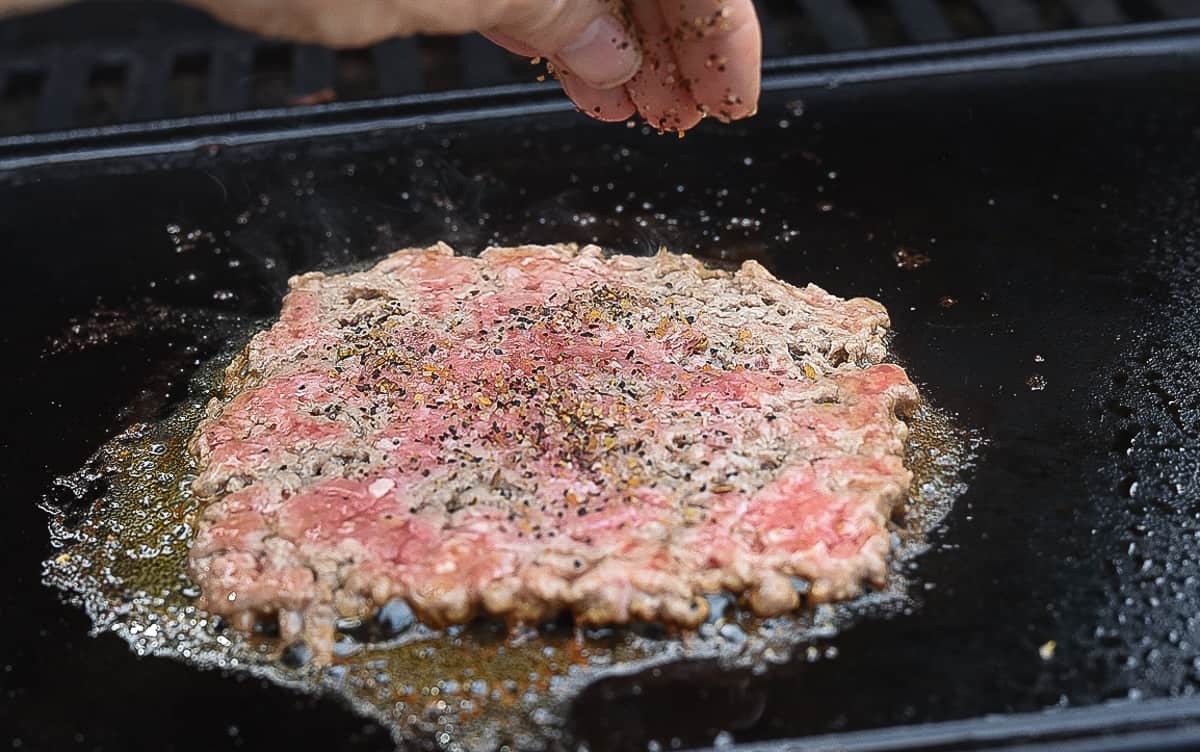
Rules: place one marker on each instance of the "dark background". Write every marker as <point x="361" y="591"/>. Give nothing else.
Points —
<point x="1057" y="206"/>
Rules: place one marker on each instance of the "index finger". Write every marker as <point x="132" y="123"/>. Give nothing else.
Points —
<point x="718" y="46"/>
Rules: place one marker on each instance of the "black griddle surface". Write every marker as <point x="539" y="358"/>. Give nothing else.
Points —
<point x="1058" y="208"/>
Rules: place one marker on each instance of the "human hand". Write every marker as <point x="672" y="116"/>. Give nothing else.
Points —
<point x="671" y="61"/>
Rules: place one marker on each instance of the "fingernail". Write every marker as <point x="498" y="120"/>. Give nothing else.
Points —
<point x="603" y="55"/>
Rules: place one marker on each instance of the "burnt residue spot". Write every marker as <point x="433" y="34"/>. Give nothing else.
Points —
<point x="110" y="325"/>
<point x="173" y="339"/>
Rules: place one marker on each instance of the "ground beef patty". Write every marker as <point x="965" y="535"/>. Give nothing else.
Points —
<point x="545" y="429"/>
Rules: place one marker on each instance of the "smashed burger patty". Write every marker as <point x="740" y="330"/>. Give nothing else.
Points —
<point x="544" y="429"/>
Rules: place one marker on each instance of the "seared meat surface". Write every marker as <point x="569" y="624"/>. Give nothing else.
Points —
<point x="544" y="429"/>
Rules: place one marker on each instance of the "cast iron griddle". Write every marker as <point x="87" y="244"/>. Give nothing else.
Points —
<point x="1058" y="208"/>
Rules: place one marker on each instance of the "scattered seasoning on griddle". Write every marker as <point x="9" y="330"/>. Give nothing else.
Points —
<point x="909" y="259"/>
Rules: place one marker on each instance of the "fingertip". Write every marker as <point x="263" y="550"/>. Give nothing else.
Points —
<point x="731" y="90"/>
<point x="719" y="48"/>
<point x="606" y="105"/>
<point x="659" y="89"/>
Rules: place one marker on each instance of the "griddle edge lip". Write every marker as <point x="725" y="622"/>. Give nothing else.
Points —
<point x="182" y="135"/>
<point x="1127" y="725"/>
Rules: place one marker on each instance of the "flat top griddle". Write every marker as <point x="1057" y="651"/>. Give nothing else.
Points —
<point x="1058" y="211"/>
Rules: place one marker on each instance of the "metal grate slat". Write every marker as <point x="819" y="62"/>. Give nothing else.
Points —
<point x="314" y="70"/>
<point x="148" y="84"/>
<point x="229" y="77"/>
<point x="1178" y="8"/>
<point x="1010" y="16"/>
<point x="483" y="63"/>
<point x="62" y="92"/>
<point x="397" y="67"/>
<point x="1096" y="12"/>
<point x="838" y="22"/>
<point x="922" y="20"/>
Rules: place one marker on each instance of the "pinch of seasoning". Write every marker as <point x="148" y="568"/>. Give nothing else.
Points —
<point x="386" y="385"/>
<point x="908" y="259"/>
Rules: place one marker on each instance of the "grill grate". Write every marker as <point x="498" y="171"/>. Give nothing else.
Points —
<point x="81" y="66"/>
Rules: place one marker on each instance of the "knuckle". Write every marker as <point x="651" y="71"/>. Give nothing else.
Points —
<point x="534" y="15"/>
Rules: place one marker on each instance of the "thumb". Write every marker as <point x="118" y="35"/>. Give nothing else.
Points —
<point x="582" y="36"/>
